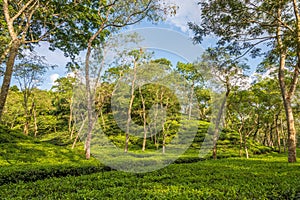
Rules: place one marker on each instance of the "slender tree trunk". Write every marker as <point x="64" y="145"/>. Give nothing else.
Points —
<point x="277" y="133"/>
<point x="271" y="143"/>
<point x="89" y="93"/>
<point x="286" y="96"/>
<point x="162" y="124"/>
<point x="102" y="119"/>
<point x="26" y="126"/>
<point x="13" y="122"/>
<point x="164" y="132"/>
<point x="27" y="117"/>
<point x="218" y="121"/>
<point x="164" y="144"/>
<point x="70" y="121"/>
<point x="257" y="129"/>
<point x="283" y="135"/>
<point x="241" y="145"/>
<point x="79" y="131"/>
<point x="164" y="138"/>
<point x="241" y="141"/>
<point x="13" y="52"/>
<point x="34" y="119"/>
<point x="245" y="146"/>
<point x="130" y="107"/>
<point x="191" y="101"/>
<point x="89" y="103"/>
<point x="155" y="120"/>
<point x="73" y="129"/>
<point x="144" y="120"/>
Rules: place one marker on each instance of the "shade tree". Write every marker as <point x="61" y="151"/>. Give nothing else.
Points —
<point x="244" y="27"/>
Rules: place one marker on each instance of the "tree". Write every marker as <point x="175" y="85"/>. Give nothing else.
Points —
<point x="63" y="101"/>
<point x="66" y="25"/>
<point x="203" y="97"/>
<point x="115" y="15"/>
<point x="244" y="25"/>
<point x="242" y="116"/>
<point x="190" y="73"/>
<point x="12" y="117"/>
<point x="228" y="74"/>
<point x="29" y="73"/>
<point x="21" y="26"/>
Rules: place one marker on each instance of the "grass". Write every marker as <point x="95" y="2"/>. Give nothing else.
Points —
<point x="17" y="149"/>
<point x="269" y="177"/>
<point x="47" y="168"/>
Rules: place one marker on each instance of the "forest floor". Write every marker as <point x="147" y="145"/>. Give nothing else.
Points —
<point x="35" y="169"/>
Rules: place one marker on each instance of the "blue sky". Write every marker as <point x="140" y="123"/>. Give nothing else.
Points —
<point x="176" y="46"/>
<point x="171" y="39"/>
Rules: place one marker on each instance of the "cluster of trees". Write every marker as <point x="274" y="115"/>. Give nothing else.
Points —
<point x="71" y="26"/>
<point x="259" y="28"/>
<point x="254" y="111"/>
<point x="264" y="110"/>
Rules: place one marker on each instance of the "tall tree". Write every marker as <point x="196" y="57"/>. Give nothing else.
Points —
<point x="64" y="24"/>
<point x="228" y="73"/>
<point x="29" y="74"/>
<point x="243" y="26"/>
<point x="112" y="15"/>
<point x="190" y="73"/>
<point x="17" y="30"/>
<point x="63" y="101"/>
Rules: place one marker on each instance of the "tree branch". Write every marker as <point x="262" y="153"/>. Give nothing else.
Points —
<point x="22" y="9"/>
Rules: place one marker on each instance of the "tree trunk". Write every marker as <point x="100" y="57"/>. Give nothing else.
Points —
<point x="241" y="143"/>
<point x="277" y="133"/>
<point x="164" y="138"/>
<point x="27" y="117"/>
<point x="288" y="105"/>
<point x="34" y="119"/>
<point x="89" y="103"/>
<point x="144" y="120"/>
<point x="283" y="136"/>
<point x="164" y="144"/>
<point x="270" y="140"/>
<point x="70" y="122"/>
<point x="13" y="52"/>
<point x="191" y="101"/>
<point x="286" y="96"/>
<point x="26" y="126"/>
<point x="102" y="119"/>
<point x="291" y="133"/>
<point x="79" y="131"/>
<point x="217" y="126"/>
<point x="245" y="146"/>
<point x="130" y="107"/>
<point x="155" y="121"/>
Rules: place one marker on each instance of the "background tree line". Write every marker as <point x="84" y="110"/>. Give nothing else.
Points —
<point x="265" y="111"/>
<point x="254" y="111"/>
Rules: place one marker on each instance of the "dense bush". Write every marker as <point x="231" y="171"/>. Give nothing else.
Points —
<point x="33" y="173"/>
<point x="264" y="177"/>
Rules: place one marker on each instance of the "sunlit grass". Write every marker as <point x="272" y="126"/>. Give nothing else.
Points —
<point x="37" y="169"/>
<point x="268" y="177"/>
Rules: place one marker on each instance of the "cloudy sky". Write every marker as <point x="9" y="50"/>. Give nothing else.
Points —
<point x="188" y="11"/>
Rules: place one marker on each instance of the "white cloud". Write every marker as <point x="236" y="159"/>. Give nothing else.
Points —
<point x="188" y="11"/>
<point x="53" y="78"/>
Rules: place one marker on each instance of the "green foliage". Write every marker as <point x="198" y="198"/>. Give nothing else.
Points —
<point x="28" y="173"/>
<point x="10" y="136"/>
<point x="258" y="178"/>
<point x="17" y="149"/>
